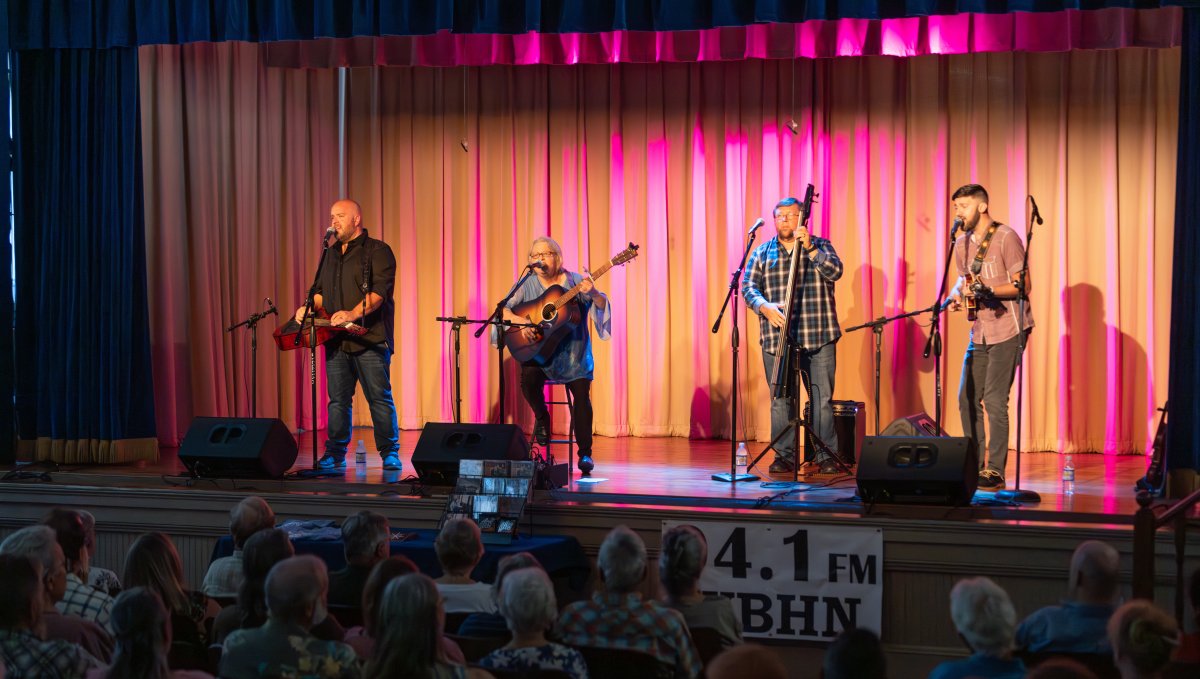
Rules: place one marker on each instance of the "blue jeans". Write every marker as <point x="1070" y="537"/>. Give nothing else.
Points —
<point x="370" y="369"/>
<point x="817" y="368"/>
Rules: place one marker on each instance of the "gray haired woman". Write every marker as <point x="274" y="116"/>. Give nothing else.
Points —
<point x="680" y="564"/>
<point x="527" y="603"/>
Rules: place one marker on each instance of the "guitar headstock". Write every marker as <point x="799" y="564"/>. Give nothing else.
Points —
<point x="625" y="255"/>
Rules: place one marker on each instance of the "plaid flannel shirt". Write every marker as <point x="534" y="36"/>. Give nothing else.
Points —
<point x="25" y="655"/>
<point x="814" y="314"/>
<point x="612" y="620"/>
<point x="86" y="601"/>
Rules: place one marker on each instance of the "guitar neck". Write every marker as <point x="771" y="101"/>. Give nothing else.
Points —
<point x="574" y="292"/>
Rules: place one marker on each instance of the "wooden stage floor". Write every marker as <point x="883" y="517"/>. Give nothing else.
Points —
<point x="677" y="472"/>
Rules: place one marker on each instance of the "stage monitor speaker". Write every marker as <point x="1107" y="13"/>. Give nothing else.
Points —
<point x="920" y="424"/>
<point x="918" y="469"/>
<point x="443" y="444"/>
<point x="238" y="447"/>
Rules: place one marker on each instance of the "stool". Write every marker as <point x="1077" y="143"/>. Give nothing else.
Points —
<point x="570" y="440"/>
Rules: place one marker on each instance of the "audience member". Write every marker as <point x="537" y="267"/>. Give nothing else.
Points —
<point x="101" y="578"/>
<point x="1061" y="668"/>
<point x="152" y="562"/>
<point x="1077" y="624"/>
<point x="985" y="619"/>
<point x="296" y="591"/>
<point x="224" y="576"/>
<point x="527" y="603"/>
<point x="1143" y="637"/>
<point x="366" y="542"/>
<point x="618" y="617"/>
<point x="79" y="598"/>
<point x="40" y="544"/>
<point x="459" y="549"/>
<point x="411" y="617"/>
<point x="493" y="625"/>
<point x="680" y="565"/>
<point x="261" y="552"/>
<point x="746" y="661"/>
<point x="142" y="630"/>
<point x="1189" y="644"/>
<point x="855" y="654"/>
<point x="24" y="654"/>
<point x="362" y="639"/>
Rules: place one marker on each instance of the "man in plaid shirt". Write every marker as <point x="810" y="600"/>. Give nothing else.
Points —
<point x="80" y="598"/>
<point x="815" y="329"/>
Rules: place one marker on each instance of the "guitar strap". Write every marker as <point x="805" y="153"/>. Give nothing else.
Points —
<point x="977" y="263"/>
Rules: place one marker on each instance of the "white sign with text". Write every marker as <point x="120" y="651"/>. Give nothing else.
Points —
<point x="792" y="581"/>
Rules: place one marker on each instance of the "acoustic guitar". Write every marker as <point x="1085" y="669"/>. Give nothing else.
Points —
<point x="554" y="315"/>
<point x="970" y="301"/>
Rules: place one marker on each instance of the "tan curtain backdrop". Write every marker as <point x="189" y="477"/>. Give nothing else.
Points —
<point x="679" y="158"/>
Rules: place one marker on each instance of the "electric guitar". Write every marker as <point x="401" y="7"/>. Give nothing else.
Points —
<point x="554" y="315"/>
<point x="285" y="335"/>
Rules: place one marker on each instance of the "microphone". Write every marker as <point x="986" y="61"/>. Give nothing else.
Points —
<point x="271" y="308"/>
<point x="757" y="224"/>
<point x="1037" y="217"/>
<point x="537" y="265"/>
<point x="958" y="223"/>
<point x="329" y="232"/>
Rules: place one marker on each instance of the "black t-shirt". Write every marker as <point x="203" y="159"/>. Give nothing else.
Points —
<point x="341" y="289"/>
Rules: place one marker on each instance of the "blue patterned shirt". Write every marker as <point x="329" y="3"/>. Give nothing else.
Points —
<point x="281" y="649"/>
<point x="572" y="359"/>
<point x="548" y="657"/>
<point x="27" y="657"/>
<point x="625" y="621"/>
<point x="814" y="313"/>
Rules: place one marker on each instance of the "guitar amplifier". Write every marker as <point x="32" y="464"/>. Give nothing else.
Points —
<point x="850" y="425"/>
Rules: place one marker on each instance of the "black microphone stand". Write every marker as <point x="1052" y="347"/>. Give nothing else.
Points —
<point x="734" y="280"/>
<point x="308" y="317"/>
<point x="934" y="343"/>
<point x="251" y="324"/>
<point x="1017" y="493"/>
<point x="497" y="319"/>
<point x="876" y="327"/>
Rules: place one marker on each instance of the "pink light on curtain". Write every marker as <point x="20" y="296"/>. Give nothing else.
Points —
<point x="618" y="231"/>
<point x="1108" y="28"/>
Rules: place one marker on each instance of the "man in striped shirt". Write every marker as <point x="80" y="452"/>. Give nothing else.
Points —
<point x="814" y="327"/>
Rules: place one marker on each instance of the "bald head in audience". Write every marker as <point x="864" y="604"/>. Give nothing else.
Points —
<point x="1095" y="573"/>
<point x="296" y="590"/>
<point x="745" y="661"/>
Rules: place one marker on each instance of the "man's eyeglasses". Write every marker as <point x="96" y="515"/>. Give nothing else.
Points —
<point x="785" y="216"/>
<point x="541" y="255"/>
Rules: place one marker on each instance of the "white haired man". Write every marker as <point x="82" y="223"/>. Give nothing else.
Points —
<point x="986" y="621"/>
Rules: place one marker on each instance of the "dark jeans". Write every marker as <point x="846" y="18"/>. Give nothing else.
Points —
<point x="817" y="368"/>
<point x="533" y="383"/>
<point x="987" y="377"/>
<point x="370" y="369"/>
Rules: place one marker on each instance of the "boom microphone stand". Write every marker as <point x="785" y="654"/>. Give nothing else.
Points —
<point x="732" y="294"/>
<point x="876" y="327"/>
<point x="497" y="319"/>
<point x="934" y="343"/>
<point x="251" y="324"/>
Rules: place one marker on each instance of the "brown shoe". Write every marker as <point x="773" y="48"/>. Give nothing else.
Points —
<point x="782" y="465"/>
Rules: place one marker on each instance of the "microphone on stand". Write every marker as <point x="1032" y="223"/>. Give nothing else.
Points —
<point x="1037" y="217"/>
<point x="756" y="226"/>
<point x="331" y="231"/>
<point x="958" y="222"/>
<point x="271" y="308"/>
<point x="537" y="265"/>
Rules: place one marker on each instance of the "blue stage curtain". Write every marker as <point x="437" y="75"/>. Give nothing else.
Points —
<point x="1183" y="392"/>
<point x="40" y="24"/>
<point x="84" y="390"/>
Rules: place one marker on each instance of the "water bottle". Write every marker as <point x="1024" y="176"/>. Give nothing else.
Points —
<point x="1068" y="479"/>
<point x="360" y="461"/>
<point x="741" y="458"/>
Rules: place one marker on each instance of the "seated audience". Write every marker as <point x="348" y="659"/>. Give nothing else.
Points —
<point x="1143" y="637"/>
<point x="1061" y="668"/>
<point x="529" y="606"/>
<point x="80" y="598"/>
<point x="985" y="619"/>
<point x="296" y="589"/>
<point x="41" y="545"/>
<point x="1077" y="624"/>
<point x="366" y="542"/>
<point x="152" y="562"/>
<point x="459" y="549"/>
<point x="855" y="654"/>
<point x="680" y="565"/>
<point x="411" y="616"/>
<point x="24" y="655"/>
<point x="224" y="576"/>
<point x="142" y="630"/>
<point x="101" y="578"/>
<point x="493" y="625"/>
<point x="1189" y="644"/>
<point x="746" y="661"/>
<point x="618" y="617"/>
<point x="362" y="639"/>
<point x="262" y="551"/>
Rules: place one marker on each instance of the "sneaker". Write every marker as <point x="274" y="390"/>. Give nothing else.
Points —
<point x="331" y="461"/>
<point x="586" y="465"/>
<point x="391" y="462"/>
<point x="782" y="465"/>
<point x="990" y="479"/>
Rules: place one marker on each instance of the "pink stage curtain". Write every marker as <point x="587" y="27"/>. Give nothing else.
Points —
<point x="679" y="158"/>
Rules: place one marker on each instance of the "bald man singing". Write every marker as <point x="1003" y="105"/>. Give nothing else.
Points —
<point x="356" y="286"/>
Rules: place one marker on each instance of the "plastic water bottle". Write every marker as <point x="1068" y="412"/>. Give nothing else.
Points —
<point x="741" y="458"/>
<point x="360" y="461"/>
<point x="1068" y="478"/>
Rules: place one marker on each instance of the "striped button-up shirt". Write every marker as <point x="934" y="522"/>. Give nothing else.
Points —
<point x="814" y="313"/>
<point x="611" y="620"/>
